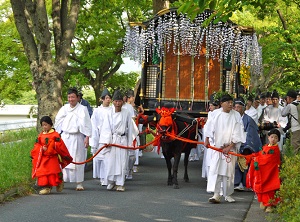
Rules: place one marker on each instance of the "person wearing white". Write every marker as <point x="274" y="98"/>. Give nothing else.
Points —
<point x="207" y="152"/>
<point x="118" y="128"/>
<point x="97" y="122"/>
<point x="262" y="105"/>
<point x="250" y="110"/>
<point x="227" y="131"/>
<point x="291" y="111"/>
<point x="276" y="111"/>
<point x="74" y="124"/>
<point x="133" y="155"/>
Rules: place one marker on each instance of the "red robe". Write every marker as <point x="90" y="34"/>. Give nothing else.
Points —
<point x="263" y="174"/>
<point x="47" y="165"/>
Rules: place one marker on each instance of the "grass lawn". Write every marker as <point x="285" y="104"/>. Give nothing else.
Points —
<point x="15" y="161"/>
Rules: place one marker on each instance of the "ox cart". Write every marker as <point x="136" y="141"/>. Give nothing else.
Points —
<point x="184" y="63"/>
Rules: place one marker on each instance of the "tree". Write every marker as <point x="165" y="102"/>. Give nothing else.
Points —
<point x="14" y="70"/>
<point x="96" y="53"/>
<point x="38" y="32"/>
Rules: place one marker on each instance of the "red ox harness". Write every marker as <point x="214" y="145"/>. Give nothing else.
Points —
<point x="167" y="121"/>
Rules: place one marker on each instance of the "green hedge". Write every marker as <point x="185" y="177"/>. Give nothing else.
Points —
<point x="289" y="207"/>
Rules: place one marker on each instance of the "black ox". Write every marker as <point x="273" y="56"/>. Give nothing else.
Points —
<point x="181" y="125"/>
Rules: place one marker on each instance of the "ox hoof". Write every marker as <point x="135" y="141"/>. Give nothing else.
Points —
<point x="176" y="186"/>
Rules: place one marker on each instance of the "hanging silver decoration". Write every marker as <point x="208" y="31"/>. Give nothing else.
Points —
<point x="220" y="39"/>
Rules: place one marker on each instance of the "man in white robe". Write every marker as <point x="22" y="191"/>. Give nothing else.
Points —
<point x="133" y="155"/>
<point x="213" y="105"/>
<point x="97" y="119"/>
<point x="74" y="124"/>
<point x="250" y="110"/>
<point x="227" y="132"/>
<point x="118" y="128"/>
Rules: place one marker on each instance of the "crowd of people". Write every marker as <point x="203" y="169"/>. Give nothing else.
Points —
<point x="255" y="128"/>
<point x="77" y="126"/>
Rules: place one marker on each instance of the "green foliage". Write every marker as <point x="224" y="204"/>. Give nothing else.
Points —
<point x="24" y="98"/>
<point x="15" y="76"/>
<point x="15" y="156"/>
<point x="96" y="53"/>
<point x="288" y="209"/>
<point x="279" y="46"/>
<point x="122" y="81"/>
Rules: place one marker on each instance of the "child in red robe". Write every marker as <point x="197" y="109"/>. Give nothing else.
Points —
<point x="49" y="155"/>
<point x="263" y="174"/>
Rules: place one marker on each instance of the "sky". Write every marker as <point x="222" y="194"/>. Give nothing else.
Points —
<point x="130" y="65"/>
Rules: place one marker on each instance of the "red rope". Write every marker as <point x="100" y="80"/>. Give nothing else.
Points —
<point x="120" y="146"/>
<point x="209" y="146"/>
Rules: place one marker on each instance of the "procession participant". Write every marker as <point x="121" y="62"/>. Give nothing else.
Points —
<point x="213" y="105"/>
<point x="263" y="175"/>
<point x="49" y="155"/>
<point x="262" y="104"/>
<point x="290" y="110"/>
<point x="265" y="122"/>
<point x="118" y="128"/>
<point x="97" y="119"/>
<point x="256" y="103"/>
<point x="282" y="120"/>
<point x="250" y="110"/>
<point x="133" y="155"/>
<point x="252" y="144"/>
<point x="74" y="124"/>
<point x="227" y="132"/>
<point x="84" y="102"/>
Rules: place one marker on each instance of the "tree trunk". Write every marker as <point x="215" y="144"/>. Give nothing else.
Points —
<point x="160" y="5"/>
<point x="48" y="70"/>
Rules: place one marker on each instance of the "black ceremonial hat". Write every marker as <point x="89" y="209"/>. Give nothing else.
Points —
<point x="292" y="94"/>
<point x="130" y="93"/>
<point x="239" y="101"/>
<point x="117" y="95"/>
<point x="105" y="92"/>
<point x="226" y="98"/>
<point x="275" y="94"/>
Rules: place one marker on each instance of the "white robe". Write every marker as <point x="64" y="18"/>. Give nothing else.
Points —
<point x="99" y="161"/>
<point x="252" y="112"/>
<point x="207" y="151"/>
<point x="118" y="128"/>
<point x="272" y="114"/>
<point x="224" y="128"/>
<point x="74" y="124"/>
<point x="135" y="153"/>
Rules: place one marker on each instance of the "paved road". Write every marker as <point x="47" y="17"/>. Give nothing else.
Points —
<point x="147" y="198"/>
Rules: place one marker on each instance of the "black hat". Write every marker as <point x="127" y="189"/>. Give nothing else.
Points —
<point x="73" y="90"/>
<point x="117" y="95"/>
<point x="214" y="100"/>
<point x="292" y="93"/>
<point x="262" y="96"/>
<point x="275" y="94"/>
<point x="46" y="119"/>
<point x="268" y="95"/>
<point x="250" y="98"/>
<point x="239" y="101"/>
<point x="105" y="92"/>
<point x="274" y="131"/>
<point x="130" y="93"/>
<point x="226" y="98"/>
